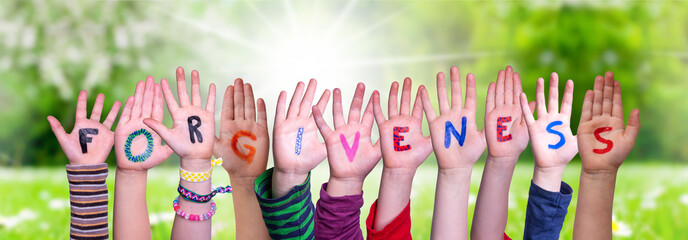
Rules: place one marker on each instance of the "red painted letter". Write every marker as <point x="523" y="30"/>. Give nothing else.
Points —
<point x="609" y="143"/>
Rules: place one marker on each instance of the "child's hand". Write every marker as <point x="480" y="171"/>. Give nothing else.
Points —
<point x="192" y="135"/>
<point x="505" y="129"/>
<point x="552" y="141"/>
<point x="244" y="142"/>
<point x="351" y="153"/>
<point x="296" y="145"/>
<point x="137" y="146"/>
<point x="401" y="136"/>
<point x="602" y="140"/>
<point x="90" y="141"/>
<point x="454" y="151"/>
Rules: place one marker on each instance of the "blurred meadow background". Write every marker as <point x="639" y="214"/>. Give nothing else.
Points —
<point x="51" y="49"/>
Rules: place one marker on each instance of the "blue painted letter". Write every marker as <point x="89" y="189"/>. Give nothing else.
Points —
<point x="552" y="131"/>
<point x="449" y="128"/>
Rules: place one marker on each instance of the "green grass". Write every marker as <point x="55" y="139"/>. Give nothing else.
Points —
<point x="651" y="199"/>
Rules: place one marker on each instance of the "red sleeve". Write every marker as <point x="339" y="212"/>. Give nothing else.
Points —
<point x="506" y="237"/>
<point x="399" y="228"/>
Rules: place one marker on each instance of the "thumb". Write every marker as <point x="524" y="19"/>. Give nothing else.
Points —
<point x="159" y="128"/>
<point x="633" y="124"/>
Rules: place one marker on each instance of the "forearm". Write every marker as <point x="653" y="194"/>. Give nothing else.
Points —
<point x="185" y="228"/>
<point x="395" y="192"/>
<point x="594" y="209"/>
<point x="88" y="196"/>
<point x="546" y="211"/>
<point x="248" y="218"/>
<point x="284" y="181"/>
<point x="130" y="208"/>
<point x="491" y="209"/>
<point x="338" y="217"/>
<point x="548" y="178"/>
<point x="450" y="216"/>
<point x="287" y="216"/>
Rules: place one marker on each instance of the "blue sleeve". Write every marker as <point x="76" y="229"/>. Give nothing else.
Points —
<point x="546" y="211"/>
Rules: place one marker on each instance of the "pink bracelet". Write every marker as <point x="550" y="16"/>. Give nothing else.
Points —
<point x="194" y="217"/>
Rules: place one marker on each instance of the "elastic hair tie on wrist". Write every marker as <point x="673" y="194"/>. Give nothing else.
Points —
<point x="189" y="195"/>
<point x="202" y="176"/>
<point x="194" y="217"/>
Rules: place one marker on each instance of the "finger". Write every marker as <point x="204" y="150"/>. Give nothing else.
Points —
<point x="98" y="107"/>
<point x="210" y="102"/>
<point x="567" y="100"/>
<point x="262" y="113"/>
<point x="249" y="102"/>
<point x="228" y="104"/>
<point x="138" y="99"/>
<point x="293" y="110"/>
<point x="81" y="105"/>
<point x="148" y="97"/>
<point x="322" y="103"/>
<point x="633" y="124"/>
<point x="166" y="152"/>
<point x="112" y="115"/>
<point x="279" y="109"/>
<point x="471" y="94"/>
<point x="325" y="130"/>
<point x="126" y="112"/>
<point x="160" y="129"/>
<point x="307" y="102"/>
<point x="540" y="98"/>
<point x="158" y="109"/>
<point x="586" y="112"/>
<point x="377" y="110"/>
<point x="608" y="93"/>
<point x="490" y="100"/>
<point x="57" y="128"/>
<point x="509" y="86"/>
<point x="392" y="109"/>
<point x="531" y="106"/>
<point x="598" y="94"/>
<point x="526" y="110"/>
<point x="553" y="104"/>
<point x="239" y="99"/>
<point x="181" y="88"/>
<point x="406" y="97"/>
<point x="337" y="115"/>
<point x="499" y="94"/>
<point x="418" y="105"/>
<point x="195" y="89"/>
<point x="455" y="78"/>
<point x="172" y="105"/>
<point x="442" y="99"/>
<point x="518" y="88"/>
<point x="427" y="105"/>
<point x="368" y="115"/>
<point x="617" y="107"/>
<point x="356" y="104"/>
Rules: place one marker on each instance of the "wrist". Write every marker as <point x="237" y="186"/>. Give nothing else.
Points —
<point x="599" y="173"/>
<point x="283" y="182"/>
<point x="131" y="172"/>
<point x="507" y="162"/>
<point x="337" y="187"/>
<point x="459" y="171"/>
<point x="242" y="181"/>
<point x="548" y="178"/>
<point x="195" y="164"/>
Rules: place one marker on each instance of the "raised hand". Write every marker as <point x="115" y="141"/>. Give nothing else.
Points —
<point x="351" y="153"/>
<point x="505" y="129"/>
<point x="297" y="149"/>
<point x="137" y="146"/>
<point x="455" y="137"/>
<point x="401" y="136"/>
<point x="193" y="127"/>
<point x="551" y="139"/>
<point x="603" y="141"/>
<point x="90" y="141"/>
<point x="244" y="142"/>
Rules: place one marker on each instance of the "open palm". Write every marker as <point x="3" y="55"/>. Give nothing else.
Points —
<point x="414" y="148"/>
<point x="244" y="142"/>
<point x="454" y="154"/>
<point x="603" y="109"/>
<point x="131" y="147"/>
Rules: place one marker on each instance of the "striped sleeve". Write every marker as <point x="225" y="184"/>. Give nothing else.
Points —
<point x="88" y="199"/>
<point x="290" y="216"/>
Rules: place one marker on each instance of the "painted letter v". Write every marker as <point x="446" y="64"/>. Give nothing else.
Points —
<point x="350" y="151"/>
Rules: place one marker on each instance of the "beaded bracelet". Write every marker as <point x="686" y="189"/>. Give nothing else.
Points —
<point x="199" y="177"/>
<point x="194" y="217"/>
<point x="193" y="197"/>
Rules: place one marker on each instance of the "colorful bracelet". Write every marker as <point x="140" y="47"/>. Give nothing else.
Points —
<point x="194" y="217"/>
<point x="199" y="177"/>
<point x="193" y="197"/>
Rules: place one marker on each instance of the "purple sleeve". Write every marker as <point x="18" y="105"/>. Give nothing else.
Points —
<point x="338" y="217"/>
